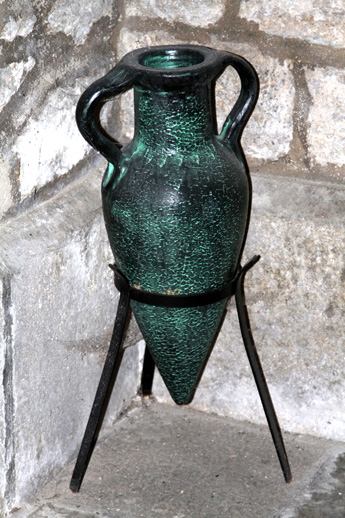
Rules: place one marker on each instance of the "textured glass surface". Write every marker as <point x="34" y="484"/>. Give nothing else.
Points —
<point x="176" y="217"/>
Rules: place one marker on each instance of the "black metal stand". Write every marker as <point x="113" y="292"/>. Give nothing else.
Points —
<point x="147" y="374"/>
<point x="258" y="373"/>
<point x="234" y="287"/>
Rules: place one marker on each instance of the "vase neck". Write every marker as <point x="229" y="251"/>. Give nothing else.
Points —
<point x="174" y="120"/>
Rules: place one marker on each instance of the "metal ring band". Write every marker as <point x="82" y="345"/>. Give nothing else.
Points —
<point x="179" y="301"/>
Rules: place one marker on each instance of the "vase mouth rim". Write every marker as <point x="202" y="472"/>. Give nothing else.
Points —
<point x="171" y="58"/>
<point x="170" y="63"/>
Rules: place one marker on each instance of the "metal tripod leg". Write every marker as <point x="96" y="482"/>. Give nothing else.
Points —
<point x="101" y="394"/>
<point x="258" y="372"/>
<point x="147" y="375"/>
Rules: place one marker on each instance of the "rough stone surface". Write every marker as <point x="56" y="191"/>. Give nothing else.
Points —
<point x="44" y="148"/>
<point x="269" y="132"/>
<point x="295" y="297"/>
<point x="7" y="412"/>
<point x="326" y="121"/>
<point x="5" y="187"/>
<point x="2" y="405"/>
<point x="202" y="14"/>
<point x="76" y="18"/>
<point x="176" y="462"/>
<point x="59" y="300"/>
<point x="61" y="329"/>
<point x="11" y="77"/>
<point x="325" y="500"/>
<point x="53" y="422"/>
<point x="17" y="19"/>
<point x="131" y="39"/>
<point x="42" y="73"/>
<point x="317" y="21"/>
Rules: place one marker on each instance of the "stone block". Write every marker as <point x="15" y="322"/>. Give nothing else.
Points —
<point x="201" y="14"/>
<point x="63" y="303"/>
<point x="318" y="21"/>
<point x="76" y="18"/>
<point x="269" y="132"/>
<point x="295" y="298"/>
<point x="2" y="407"/>
<point x="326" y="120"/>
<point x="5" y="187"/>
<point x="11" y="77"/>
<point x="17" y="19"/>
<point x="130" y="40"/>
<point x="44" y="147"/>
<point x="7" y="408"/>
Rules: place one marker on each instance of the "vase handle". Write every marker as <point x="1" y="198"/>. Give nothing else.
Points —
<point x="235" y="122"/>
<point x="118" y="80"/>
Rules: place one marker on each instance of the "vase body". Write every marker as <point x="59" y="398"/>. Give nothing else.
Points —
<point x="176" y="200"/>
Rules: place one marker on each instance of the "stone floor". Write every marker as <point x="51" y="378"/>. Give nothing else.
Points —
<point x="173" y="462"/>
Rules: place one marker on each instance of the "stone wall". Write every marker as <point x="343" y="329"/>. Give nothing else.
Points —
<point x="58" y="300"/>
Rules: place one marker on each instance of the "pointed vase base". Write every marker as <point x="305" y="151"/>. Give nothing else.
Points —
<point x="179" y="340"/>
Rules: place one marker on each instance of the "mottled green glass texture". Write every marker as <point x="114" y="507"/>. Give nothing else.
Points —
<point x="176" y="209"/>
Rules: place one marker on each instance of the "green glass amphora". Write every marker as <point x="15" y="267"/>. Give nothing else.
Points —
<point x="177" y="198"/>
